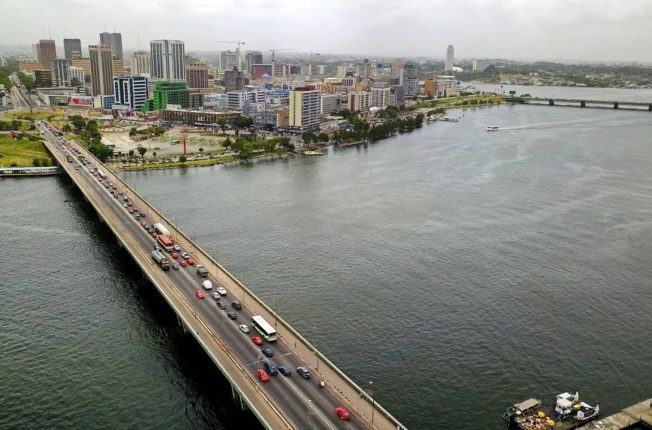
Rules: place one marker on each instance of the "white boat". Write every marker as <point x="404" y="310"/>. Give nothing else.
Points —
<point x="451" y="118"/>
<point x="492" y="128"/>
<point x="313" y="153"/>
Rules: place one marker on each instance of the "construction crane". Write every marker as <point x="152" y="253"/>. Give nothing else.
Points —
<point x="237" y="50"/>
<point x="274" y="51"/>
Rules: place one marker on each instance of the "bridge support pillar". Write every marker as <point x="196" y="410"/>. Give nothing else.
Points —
<point x="551" y="102"/>
<point x="616" y="105"/>
<point x="182" y="325"/>
<point x="582" y="103"/>
<point x="236" y="395"/>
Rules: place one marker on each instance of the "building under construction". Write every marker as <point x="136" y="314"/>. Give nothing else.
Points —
<point x="198" y="117"/>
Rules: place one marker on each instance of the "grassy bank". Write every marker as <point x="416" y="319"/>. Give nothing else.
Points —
<point x="22" y="153"/>
<point x="191" y="163"/>
<point x="460" y="102"/>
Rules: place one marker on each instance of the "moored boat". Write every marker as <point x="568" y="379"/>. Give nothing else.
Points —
<point x="567" y="413"/>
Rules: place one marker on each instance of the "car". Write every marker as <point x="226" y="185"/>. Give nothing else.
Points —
<point x="150" y="229"/>
<point x="243" y="328"/>
<point x="216" y="296"/>
<point x="190" y="262"/>
<point x="175" y="265"/>
<point x="185" y="255"/>
<point x="208" y="285"/>
<point x="342" y="413"/>
<point x="267" y="352"/>
<point x="220" y="304"/>
<point x="181" y="263"/>
<point x="257" y="340"/>
<point x="303" y="372"/>
<point x="221" y="290"/>
<point x="199" y="294"/>
<point x="115" y="196"/>
<point x="236" y="305"/>
<point x="143" y="224"/>
<point x="131" y="210"/>
<point x="143" y="214"/>
<point x="130" y="204"/>
<point x="285" y="371"/>
<point x="125" y="198"/>
<point x="261" y="375"/>
<point x="270" y="367"/>
<point x="153" y="234"/>
<point x="157" y="248"/>
<point x="174" y="256"/>
<point x="231" y="315"/>
<point x="136" y="217"/>
<point x="136" y="210"/>
<point x="176" y="247"/>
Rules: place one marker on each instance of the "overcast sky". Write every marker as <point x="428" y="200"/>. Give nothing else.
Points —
<point x="594" y="30"/>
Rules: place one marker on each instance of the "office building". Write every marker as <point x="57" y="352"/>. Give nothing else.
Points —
<point x="171" y="92"/>
<point x="409" y="80"/>
<point x="60" y="70"/>
<point x="396" y="67"/>
<point x="28" y="65"/>
<point x="101" y="69"/>
<point x="46" y="52"/>
<point x="341" y="71"/>
<point x="429" y="88"/>
<point x="380" y="97"/>
<point x="167" y="60"/>
<point x="76" y="76"/>
<point x="331" y="103"/>
<point x="348" y="81"/>
<point x="130" y="92"/>
<point x="359" y="101"/>
<point x="447" y="86"/>
<point x="450" y="58"/>
<point x="234" y="80"/>
<point x="84" y="63"/>
<point x="321" y="69"/>
<point x="364" y="69"/>
<point x="253" y="57"/>
<point x="140" y="63"/>
<point x="305" y="108"/>
<point x="197" y="75"/>
<point x="237" y="100"/>
<point x="475" y="65"/>
<point x="71" y="46"/>
<point x="115" y="41"/>
<point x="228" y="60"/>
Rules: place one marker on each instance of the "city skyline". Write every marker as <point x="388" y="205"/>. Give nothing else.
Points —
<point x="556" y="30"/>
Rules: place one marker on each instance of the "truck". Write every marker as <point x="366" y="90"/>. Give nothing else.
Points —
<point x="201" y="270"/>
<point x="160" y="229"/>
<point x="165" y="242"/>
<point x="161" y="260"/>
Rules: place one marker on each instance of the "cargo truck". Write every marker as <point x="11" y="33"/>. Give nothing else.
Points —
<point x="201" y="270"/>
<point x="160" y="229"/>
<point x="161" y="260"/>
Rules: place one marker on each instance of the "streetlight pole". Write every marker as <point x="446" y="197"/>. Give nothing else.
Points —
<point x="275" y="312"/>
<point x="373" y="403"/>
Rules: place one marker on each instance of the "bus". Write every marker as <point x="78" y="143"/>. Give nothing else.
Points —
<point x="101" y="174"/>
<point x="263" y="327"/>
<point x="165" y="242"/>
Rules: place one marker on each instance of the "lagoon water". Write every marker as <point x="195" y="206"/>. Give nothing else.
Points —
<point x="459" y="270"/>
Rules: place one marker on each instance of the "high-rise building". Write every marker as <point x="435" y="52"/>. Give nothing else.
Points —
<point x="341" y="71"/>
<point x="234" y="80"/>
<point x="84" y="63"/>
<point x="253" y="57"/>
<point x="60" y="69"/>
<point x="130" y="92"/>
<point x="70" y="46"/>
<point x="359" y="101"/>
<point x="171" y="92"/>
<point x="380" y="97"/>
<point x="305" y="108"/>
<point x="140" y="63"/>
<point x="76" y="76"/>
<point x="429" y="87"/>
<point x="115" y="41"/>
<point x="330" y="103"/>
<point x="475" y="64"/>
<point x="396" y="67"/>
<point x="409" y="80"/>
<point x="228" y="60"/>
<point x="46" y="51"/>
<point x="101" y="69"/>
<point x="450" y="58"/>
<point x="364" y="69"/>
<point x="167" y="60"/>
<point x="348" y="81"/>
<point x="197" y="75"/>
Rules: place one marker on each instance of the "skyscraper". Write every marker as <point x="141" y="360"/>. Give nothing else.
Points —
<point x="409" y="79"/>
<point x="46" y="51"/>
<point x="130" y="91"/>
<point x="76" y="76"/>
<point x="233" y="80"/>
<point x="115" y="41"/>
<point x="450" y="58"/>
<point x="60" y="70"/>
<point x="141" y="63"/>
<point x="101" y="69"/>
<point x="228" y="60"/>
<point x="197" y="75"/>
<point x="167" y="60"/>
<point x="253" y="57"/>
<point x="70" y="46"/>
<point x="305" y="108"/>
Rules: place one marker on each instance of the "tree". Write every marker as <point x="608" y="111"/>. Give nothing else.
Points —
<point x="182" y="159"/>
<point x="131" y="153"/>
<point x="201" y="150"/>
<point x="133" y="132"/>
<point x="154" y="154"/>
<point x="78" y="122"/>
<point x="323" y="137"/>
<point x="307" y="137"/>
<point x="221" y="121"/>
<point x="66" y="128"/>
<point x="142" y="150"/>
<point x="244" y="122"/>
<point x="247" y="150"/>
<point x="227" y="142"/>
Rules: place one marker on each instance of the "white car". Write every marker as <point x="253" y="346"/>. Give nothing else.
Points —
<point x="177" y="247"/>
<point x="221" y="290"/>
<point x="243" y="328"/>
<point x="216" y="296"/>
<point x="208" y="285"/>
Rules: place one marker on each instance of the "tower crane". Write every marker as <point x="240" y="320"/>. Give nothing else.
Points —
<point x="237" y="50"/>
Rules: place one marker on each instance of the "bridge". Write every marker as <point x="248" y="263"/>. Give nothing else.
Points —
<point x="582" y="103"/>
<point x="280" y="403"/>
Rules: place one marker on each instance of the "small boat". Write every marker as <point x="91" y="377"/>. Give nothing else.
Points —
<point x="492" y="128"/>
<point x="567" y="413"/>
<point x="451" y="118"/>
<point x="313" y="153"/>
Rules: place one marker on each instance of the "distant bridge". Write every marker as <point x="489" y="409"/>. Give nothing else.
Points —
<point x="582" y="103"/>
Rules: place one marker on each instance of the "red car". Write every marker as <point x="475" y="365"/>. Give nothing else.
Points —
<point x="342" y="413"/>
<point x="261" y="375"/>
<point x="190" y="262"/>
<point x="182" y="263"/>
<point x="174" y="255"/>
<point x="199" y="294"/>
<point x="257" y="340"/>
<point x="136" y="210"/>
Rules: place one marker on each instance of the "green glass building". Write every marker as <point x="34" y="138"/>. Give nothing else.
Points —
<point x="171" y="92"/>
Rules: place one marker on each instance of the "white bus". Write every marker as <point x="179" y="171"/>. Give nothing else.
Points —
<point x="263" y="327"/>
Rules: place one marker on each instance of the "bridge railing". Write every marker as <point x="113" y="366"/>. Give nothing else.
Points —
<point x="342" y="385"/>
